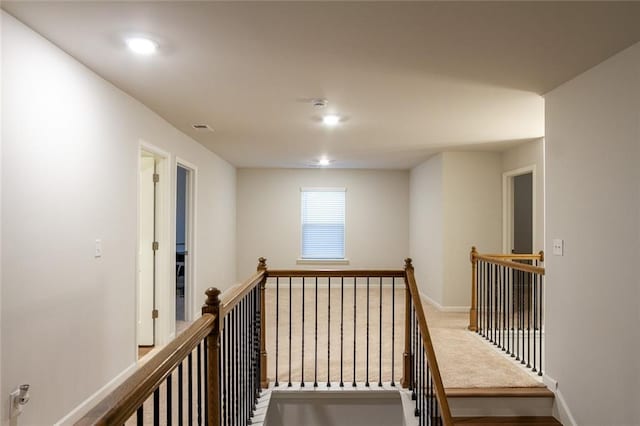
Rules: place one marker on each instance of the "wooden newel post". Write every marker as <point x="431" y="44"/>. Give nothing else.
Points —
<point x="473" y="313"/>
<point x="405" y="382"/>
<point x="212" y="306"/>
<point x="264" y="382"/>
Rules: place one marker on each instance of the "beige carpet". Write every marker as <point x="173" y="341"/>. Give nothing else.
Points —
<point x="465" y="359"/>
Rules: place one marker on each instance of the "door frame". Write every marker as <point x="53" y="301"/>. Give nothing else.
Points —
<point x="164" y="268"/>
<point x="507" y="206"/>
<point x="190" y="309"/>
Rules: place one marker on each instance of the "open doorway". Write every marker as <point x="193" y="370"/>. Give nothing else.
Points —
<point x="152" y="266"/>
<point x="519" y="211"/>
<point x="184" y="245"/>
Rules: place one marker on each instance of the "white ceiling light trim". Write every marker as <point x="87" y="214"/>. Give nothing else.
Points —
<point x="142" y="45"/>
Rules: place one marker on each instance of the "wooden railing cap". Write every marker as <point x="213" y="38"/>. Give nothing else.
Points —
<point x="262" y="264"/>
<point x="408" y="264"/>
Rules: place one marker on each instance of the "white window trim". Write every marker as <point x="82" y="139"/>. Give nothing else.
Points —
<point x="303" y="261"/>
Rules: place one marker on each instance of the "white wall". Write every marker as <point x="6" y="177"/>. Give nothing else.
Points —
<point x="530" y="154"/>
<point x="426" y="243"/>
<point x="472" y="217"/>
<point x="70" y="144"/>
<point x="377" y="216"/>
<point x="455" y="204"/>
<point x="593" y="203"/>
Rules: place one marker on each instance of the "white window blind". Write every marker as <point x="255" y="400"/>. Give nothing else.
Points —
<point x="323" y="223"/>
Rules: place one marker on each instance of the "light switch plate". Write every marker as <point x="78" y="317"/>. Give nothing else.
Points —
<point x="98" y="249"/>
<point x="558" y="247"/>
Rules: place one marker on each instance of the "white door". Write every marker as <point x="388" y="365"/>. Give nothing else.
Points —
<point x="146" y="263"/>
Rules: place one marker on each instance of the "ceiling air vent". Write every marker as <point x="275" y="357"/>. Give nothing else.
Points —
<point x="202" y="127"/>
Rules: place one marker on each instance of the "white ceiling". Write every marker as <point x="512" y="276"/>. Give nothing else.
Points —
<point x="411" y="78"/>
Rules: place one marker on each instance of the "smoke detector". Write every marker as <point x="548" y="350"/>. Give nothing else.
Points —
<point x="319" y="103"/>
<point x="202" y="127"/>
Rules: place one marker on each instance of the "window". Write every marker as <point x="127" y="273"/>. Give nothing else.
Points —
<point x="323" y="223"/>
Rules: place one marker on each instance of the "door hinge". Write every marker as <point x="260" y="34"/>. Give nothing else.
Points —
<point x="155" y="246"/>
<point x="154" y="314"/>
<point x="156" y="178"/>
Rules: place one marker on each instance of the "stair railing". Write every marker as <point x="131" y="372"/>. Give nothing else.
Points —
<point x="507" y="304"/>
<point x="210" y="374"/>
<point x="183" y="363"/>
<point x="214" y="371"/>
<point x="347" y="326"/>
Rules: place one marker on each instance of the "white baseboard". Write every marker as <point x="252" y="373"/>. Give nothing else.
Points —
<point x="438" y="306"/>
<point x="86" y="405"/>
<point x="560" y="408"/>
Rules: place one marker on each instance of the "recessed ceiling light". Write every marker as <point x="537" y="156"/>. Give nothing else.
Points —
<point x="324" y="161"/>
<point x="142" y="46"/>
<point x="331" y="119"/>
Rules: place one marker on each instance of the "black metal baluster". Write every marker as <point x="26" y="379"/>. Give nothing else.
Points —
<point x="225" y="371"/>
<point x="367" y="363"/>
<point x="302" y="366"/>
<point x="242" y="371"/>
<point x="478" y="299"/>
<point x="480" y="280"/>
<point x="393" y="330"/>
<point x="485" y="283"/>
<point x="140" y="416"/>
<point x="355" y="282"/>
<point x="199" y="381"/>
<point x="535" y="318"/>
<point x="220" y="376"/>
<point x="258" y="325"/>
<point x="504" y="309"/>
<point x="507" y="306"/>
<point x="169" y="400"/>
<point x="414" y="361"/>
<point x="290" y="298"/>
<point x="156" y="407"/>
<point x="277" y="325"/>
<point x="430" y="401"/>
<point x="522" y="314"/>
<point x="541" y="324"/>
<point x="180" y="395"/>
<point x="234" y="366"/>
<point x="251" y="339"/>
<point x="489" y="299"/>
<point x="528" y="320"/>
<point x="420" y="384"/>
<point x="315" y="342"/>
<point x="518" y="301"/>
<point x="254" y="349"/>
<point x="342" y="329"/>
<point x="190" y="388"/>
<point x="499" y="305"/>
<point x="205" y="388"/>
<point x="328" y="331"/>
<point x="496" y="296"/>
<point x="380" y="340"/>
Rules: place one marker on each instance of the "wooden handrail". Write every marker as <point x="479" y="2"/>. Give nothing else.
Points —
<point x="122" y="403"/>
<point x="511" y="264"/>
<point x="519" y="256"/>
<point x="300" y="273"/>
<point x="237" y="293"/>
<point x="410" y="282"/>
